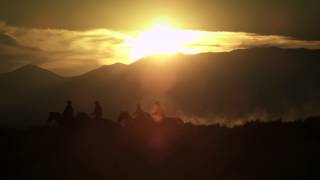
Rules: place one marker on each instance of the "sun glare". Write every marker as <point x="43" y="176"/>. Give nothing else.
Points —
<point x="163" y="24"/>
<point x="163" y="38"/>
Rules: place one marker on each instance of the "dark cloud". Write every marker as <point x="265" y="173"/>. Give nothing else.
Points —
<point x="294" y="18"/>
<point x="62" y="51"/>
<point x="8" y="40"/>
<point x="13" y="54"/>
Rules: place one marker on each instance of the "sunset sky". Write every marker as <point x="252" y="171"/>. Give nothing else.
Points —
<point x="75" y="36"/>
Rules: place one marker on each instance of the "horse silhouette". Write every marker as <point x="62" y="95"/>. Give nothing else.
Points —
<point x="174" y="121"/>
<point x="145" y="119"/>
<point x="124" y="118"/>
<point x="82" y="116"/>
<point x="58" y="119"/>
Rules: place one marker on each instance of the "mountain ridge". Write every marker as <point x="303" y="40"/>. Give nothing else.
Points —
<point x="152" y="58"/>
<point x="229" y="88"/>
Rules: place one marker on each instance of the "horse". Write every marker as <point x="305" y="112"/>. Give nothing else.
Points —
<point x="82" y="116"/>
<point x="174" y="121"/>
<point x="124" y="118"/>
<point x="59" y="119"/>
<point x="55" y="116"/>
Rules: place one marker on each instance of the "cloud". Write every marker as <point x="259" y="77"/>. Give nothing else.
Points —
<point x="228" y="41"/>
<point x="13" y="54"/>
<point x="71" y="52"/>
<point x="63" y="51"/>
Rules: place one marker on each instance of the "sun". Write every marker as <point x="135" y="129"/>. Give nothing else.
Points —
<point x="163" y="38"/>
<point x="163" y="24"/>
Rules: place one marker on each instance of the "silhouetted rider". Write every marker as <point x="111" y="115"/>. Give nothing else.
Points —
<point x="158" y="113"/>
<point x="97" y="113"/>
<point x="68" y="112"/>
<point x="139" y="113"/>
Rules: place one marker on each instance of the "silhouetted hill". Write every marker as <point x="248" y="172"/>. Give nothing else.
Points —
<point x="103" y="73"/>
<point x="31" y="74"/>
<point x="24" y="91"/>
<point x="27" y="79"/>
<point x="228" y="88"/>
<point x="101" y="150"/>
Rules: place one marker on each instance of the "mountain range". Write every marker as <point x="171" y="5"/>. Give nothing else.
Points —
<point x="229" y="88"/>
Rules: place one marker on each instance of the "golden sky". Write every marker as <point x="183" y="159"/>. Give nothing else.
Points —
<point x="72" y="52"/>
<point x="75" y="36"/>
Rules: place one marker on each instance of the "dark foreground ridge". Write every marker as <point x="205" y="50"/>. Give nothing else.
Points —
<point x="105" y="150"/>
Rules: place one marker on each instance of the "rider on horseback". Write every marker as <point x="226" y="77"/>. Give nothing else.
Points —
<point x="97" y="113"/>
<point x="139" y="113"/>
<point x="68" y="112"/>
<point x="158" y="113"/>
